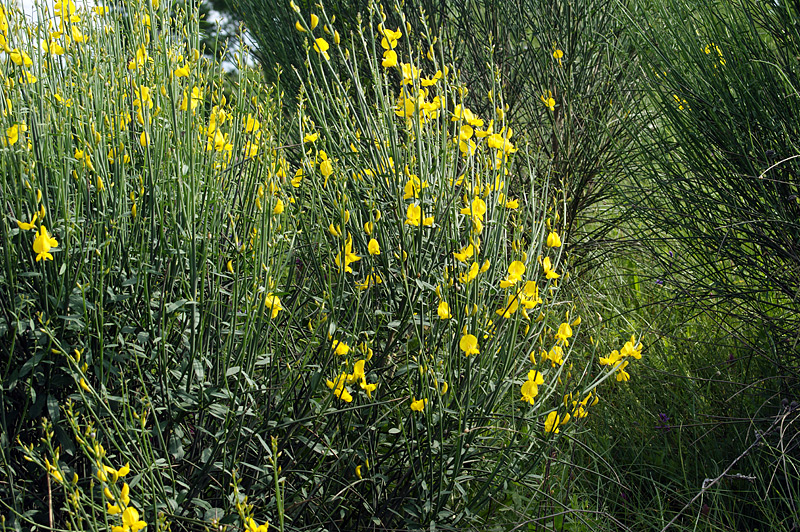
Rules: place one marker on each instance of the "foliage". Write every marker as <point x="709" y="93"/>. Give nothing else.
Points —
<point x="719" y="187"/>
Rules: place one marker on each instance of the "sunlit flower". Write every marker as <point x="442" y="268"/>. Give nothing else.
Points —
<point x="191" y="102"/>
<point x="251" y="124"/>
<point x="325" y="165"/>
<point x="253" y="527"/>
<point x="469" y="344"/>
<point x="349" y="256"/>
<point x="415" y="216"/>
<point x="564" y="333"/>
<point x="339" y="389"/>
<point x="418" y="405"/>
<point x="43" y="243"/>
<point x="182" y="72"/>
<point x="389" y="59"/>
<point x="340" y="348"/>
<point x="464" y="253"/>
<point x="530" y="389"/>
<point x="321" y="46"/>
<point x="273" y="302"/>
<point x="552" y="422"/>
<point x="468" y="277"/>
<point x="553" y="240"/>
<point x="515" y="272"/>
<point x="12" y="133"/>
<point x="373" y="247"/>
<point x="476" y="209"/>
<point x="547" y="265"/>
<point x="444" y="310"/>
<point x="20" y="58"/>
<point x="28" y="226"/>
<point x="140" y="59"/>
<point x="130" y="521"/>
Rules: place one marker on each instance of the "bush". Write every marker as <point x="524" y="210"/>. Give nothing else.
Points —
<point x="222" y="327"/>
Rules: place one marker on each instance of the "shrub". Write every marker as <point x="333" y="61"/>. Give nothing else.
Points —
<point x="356" y="328"/>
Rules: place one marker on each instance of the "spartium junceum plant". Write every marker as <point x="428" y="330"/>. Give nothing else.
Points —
<point x="142" y="239"/>
<point x="354" y="328"/>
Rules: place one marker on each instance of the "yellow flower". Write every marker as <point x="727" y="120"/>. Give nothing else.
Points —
<point x="476" y="209"/>
<point x="140" y="59"/>
<point x="549" y="101"/>
<point x="547" y="265"/>
<point x="564" y="333"/>
<point x="13" y="132"/>
<point x="20" y="58"/>
<point x="297" y="180"/>
<point x="144" y="139"/>
<point x="43" y="243"/>
<point x="557" y="55"/>
<point x="389" y="37"/>
<point x="349" y="256"/>
<point x="552" y="422"/>
<point x="182" y="72"/>
<point x="340" y="348"/>
<point x="464" y="253"/>
<point x="415" y="216"/>
<point x="28" y="226"/>
<point x="515" y="272"/>
<point x="130" y="521"/>
<point x="27" y="77"/>
<point x="373" y="247"/>
<point x="77" y="34"/>
<point x="338" y="388"/>
<point x="311" y="137"/>
<point x="444" y="310"/>
<point x="193" y="101"/>
<point x="358" y="471"/>
<point x="325" y="165"/>
<point x="553" y="240"/>
<point x="469" y="276"/>
<point x="278" y="209"/>
<point x="469" y="344"/>
<point x="253" y="527"/>
<point x="529" y="391"/>
<point x="121" y="472"/>
<point x="510" y="308"/>
<point x="389" y="59"/>
<point x="369" y="388"/>
<point x="251" y="124"/>
<point x="273" y="302"/>
<point x="418" y="405"/>
<point x="321" y="46"/>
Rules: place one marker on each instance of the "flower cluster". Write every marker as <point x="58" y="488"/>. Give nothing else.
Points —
<point x="619" y="359"/>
